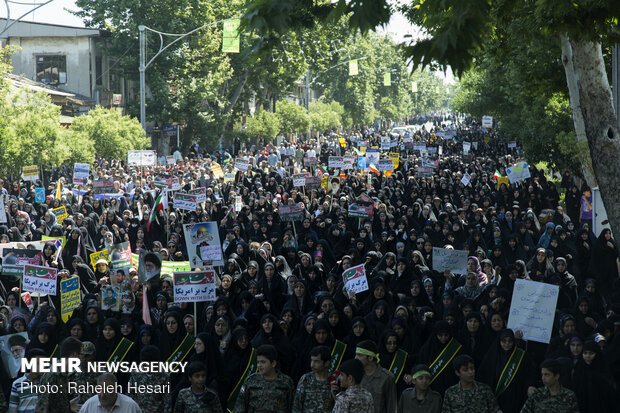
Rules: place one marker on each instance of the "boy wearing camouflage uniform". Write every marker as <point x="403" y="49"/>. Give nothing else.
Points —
<point x="553" y="398"/>
<point x="268" y="390"/>
<point x="468" y="395"/>
<point x="198" y="397"/>
<point x="354" y="398"/>
<point x="313" y="394"/>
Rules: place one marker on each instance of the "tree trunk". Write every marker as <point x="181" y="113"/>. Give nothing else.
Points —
<point x="578" y="121"/>
<point x="596" y="107"/>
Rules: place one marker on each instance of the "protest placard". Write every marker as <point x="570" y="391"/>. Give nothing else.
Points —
<point x="14" y="259"/>
<point x="532" y="309"/>
<point x="69" y="297"/>
<point x="518" y="172"/>
<point x="512" y="145"/>
<point x="313" y="182"/>
<point x="39" y="195"/>
<point x="360" y="211"/>
<point x="99" y="255"/>
<point x="103" y="186"/>
<point x="183" y="201"/>
<point x="60" y="213"/>
<point x="385" y="165"/>
<point x="419" y="147"/>
<point x="229" y="177"/>
<point x="335" y="161"/>
<point x="30" y="173"/>
<point x="242" y="164"/>
<point x="38" y="279"/>
<point x="120" y="256"/>
<point x="289" y="213"/>
<point x="141" y="158"/>
<point x="466" y="179"/>
<point x="194" y="286"/>
<point x="200" y="235"/>
<point x="110" y="298"/>
<point x="355" y="279"/>
<point x="80" y="173"/>
<point x="453" y="260"/>
<point x="200" y="193"/>
<point x="167" y="267"/>
<point x="12" y="350"/>
<point x="372" y="156"/>
<point x="395" y="157"/>
<point x="466" y="147"/>
<point x="300" y="179"/>
<point x="34" y="245"/>
<point x="217" y="170"/>
<point x="348" y="162"/>
<point x="310" y="161"/>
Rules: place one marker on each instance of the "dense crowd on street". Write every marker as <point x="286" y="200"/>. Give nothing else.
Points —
<point x="284" y="334"/>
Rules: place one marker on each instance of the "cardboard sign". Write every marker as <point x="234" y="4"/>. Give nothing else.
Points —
<point x="310" y="161"/>
<point x="3" y="218"/>
<point x="335" y="162"/>
<point x="487" y="122"/>
<point x="198" y="236"/>
<point x="13" y="260"/>
<point x="170" y="160"/>
<point x="453" y="260"/>
<point x="30" y="173"/>
<point x="38" y="279"/>
<point x="360" y="211"/>
<point x="39" y="195"/>
<point x="99" y="255"/>
<point x="60" y="213"/>
<point x="217" y="170"/>
<point x="518" y="172"/>
<point x="466" y="179"/>
<point x="141" y="158"/>
<point x="229" y="177"/>
<point x="186" y="202"/>
<point x="386" y="165"/>
<point x="200" y="193"/>
<point x="290" y="213"/>
<point x="69" y="297"/>
<point x="355" y="279"/>
<point x="532" y="309"/>
<point x="242" y="164"/>
<point x="80" y="173"/>
<point x="120" y="256"/>
<point x="300" y="179"/>
<point x="194" y="286"/>
<point x="348" y="162"/>
<point x="103" y="186"/>
<point x="313" y="182"/>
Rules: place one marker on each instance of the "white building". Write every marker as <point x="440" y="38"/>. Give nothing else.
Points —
<point x="65" y="58"/>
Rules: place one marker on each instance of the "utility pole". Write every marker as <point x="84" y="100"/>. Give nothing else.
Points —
<point x="142" y="70"/>
<point x="615" y="79"/>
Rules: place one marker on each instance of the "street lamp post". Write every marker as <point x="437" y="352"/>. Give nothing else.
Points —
<point x="144" y="64"/>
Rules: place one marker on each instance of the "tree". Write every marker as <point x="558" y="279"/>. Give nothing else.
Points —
<point x="456" y="31"/>
<point x="264" y="125"/>
<point x="113" y="133"/>
<point x="293" y="118"/>
<point x="324" y="116"/>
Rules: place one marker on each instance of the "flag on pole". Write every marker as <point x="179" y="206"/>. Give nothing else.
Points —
<point x="160" y="203"/>
<point x="353" y="68"/>
<point x="146" y="311"/>
<point x="496" y="174"/>
<point x="230" y="36"/>
<point x="373" y="168"/>
<point x="59" y="189"/>
<point x="387" y="79"/>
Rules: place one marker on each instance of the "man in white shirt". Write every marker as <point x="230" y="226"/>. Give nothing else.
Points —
<point x="108" y="400"/>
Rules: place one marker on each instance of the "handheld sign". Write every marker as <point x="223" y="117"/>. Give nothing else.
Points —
<point x="532" y="309"/>
<point x="453" y="260"/>
<point x="38" y="279"/>
<point x="355" y="279"/>
<point x="69" y="296"/>
<point x="194" y="286"/>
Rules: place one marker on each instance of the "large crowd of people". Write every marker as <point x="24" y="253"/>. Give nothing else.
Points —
<point x="284" y="334"/>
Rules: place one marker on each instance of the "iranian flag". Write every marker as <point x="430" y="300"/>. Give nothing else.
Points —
<point x="373" y="168"/>
<point x="160" y="203"/>
<point x="496" y="174"/>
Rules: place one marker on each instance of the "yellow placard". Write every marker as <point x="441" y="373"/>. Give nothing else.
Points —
<point x="61" y="213"/>
<point x="503" y="180"/>
<point x="325" y="181"/>
<point x="99" y="255"/>
<point x="395" y="159"/>
<point x="46" y="238"/>
<point x="69" y="297"/>
<point x="217" y="170"/>
<point x="30" y="171"/>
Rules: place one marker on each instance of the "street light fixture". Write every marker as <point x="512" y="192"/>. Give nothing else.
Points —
<point x="144" y="65"/>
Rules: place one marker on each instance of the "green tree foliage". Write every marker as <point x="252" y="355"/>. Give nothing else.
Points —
<point x="324" y="116"/>
<point x="293" y="118"/>
<point x="264" y="125"/>
<point x="112" y="133"/>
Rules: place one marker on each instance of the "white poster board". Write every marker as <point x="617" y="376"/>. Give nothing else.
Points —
<point x="532" y="309"/>
<point x="141" y="158"/>
<point x="453" y="260"/>
<point x="194" y="286"/>
<point x="518" y="172"/>
<point x="80" y="173"/>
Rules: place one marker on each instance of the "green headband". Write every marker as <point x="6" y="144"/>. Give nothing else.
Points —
<point x="365" y="352"/>
<point x="420" y="373"/>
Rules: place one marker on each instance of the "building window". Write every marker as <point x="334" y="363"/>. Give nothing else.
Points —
<point x="52" y="69"/>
